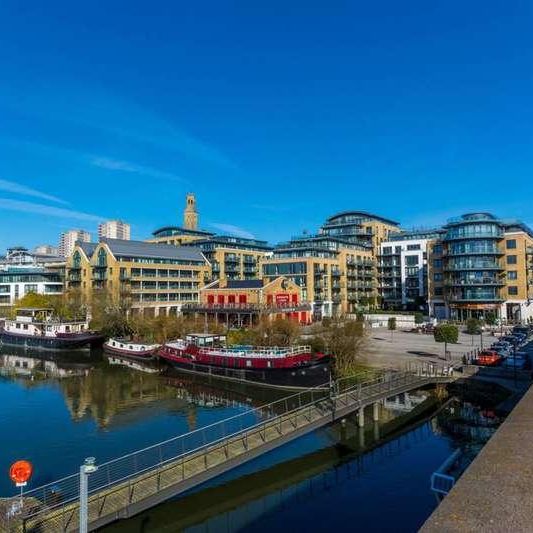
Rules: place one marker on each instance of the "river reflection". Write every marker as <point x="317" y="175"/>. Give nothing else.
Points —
<point x="58" y="408"/>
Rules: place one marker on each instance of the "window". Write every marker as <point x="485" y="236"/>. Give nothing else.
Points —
<point x="511" y="259"/>
<point x="437" y="249"/>
<point x="437" y="276"/>
<point x="510" y="244"/>
<point x="512" y="274"/>
<point x="76" y="259"/>
<point x="513" y="291"/>
<point x="387" y="250"/>
<point x="438" y="291"/>
<point x="413" y="246"/>
<point x="102" y="258"/>
<point x="437" y="263"/>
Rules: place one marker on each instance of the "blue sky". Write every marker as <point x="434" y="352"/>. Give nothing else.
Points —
<point x="276" y="114"/>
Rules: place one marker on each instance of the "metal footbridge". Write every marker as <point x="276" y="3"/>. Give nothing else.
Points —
<point x="135" y="482"/>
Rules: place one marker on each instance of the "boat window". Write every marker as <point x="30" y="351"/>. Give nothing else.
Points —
<point x="122" y="346"/>
<point x="269" y="364"/>
<point x="25" y="326"/>
<point x="248" y="362"/>
<point x="17" y="326"/>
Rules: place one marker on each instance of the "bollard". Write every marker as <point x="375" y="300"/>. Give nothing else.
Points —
<point x="88" y="467"/>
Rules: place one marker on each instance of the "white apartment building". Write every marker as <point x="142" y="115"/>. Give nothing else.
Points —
<point x="403" y="271"/>
<point x="114" y="229"/>
<point x="46" y="249"/>
<point x="22" y="272"/>
<point x="68" y="239"/>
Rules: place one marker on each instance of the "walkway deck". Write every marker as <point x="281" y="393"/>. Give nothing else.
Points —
<point x="136" y="482"/>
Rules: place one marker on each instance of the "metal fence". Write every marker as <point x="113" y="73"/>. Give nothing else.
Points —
<point x="59" y="498"/>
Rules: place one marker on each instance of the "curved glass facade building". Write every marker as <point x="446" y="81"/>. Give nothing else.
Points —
<point x="472" y="265"/>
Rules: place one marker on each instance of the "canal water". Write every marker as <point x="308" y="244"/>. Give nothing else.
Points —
<point x="57" y="410"/>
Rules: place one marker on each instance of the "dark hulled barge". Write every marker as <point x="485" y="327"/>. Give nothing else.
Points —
<point x="38" y="328"/>
<point x="290" y="367"/>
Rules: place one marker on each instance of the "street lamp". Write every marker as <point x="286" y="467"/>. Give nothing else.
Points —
<point x="87" y="468"/>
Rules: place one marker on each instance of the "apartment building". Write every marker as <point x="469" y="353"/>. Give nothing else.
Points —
<point x="68" y="240"/>
<point x="234" y="258"/>
<point x="336" y="268"/>
<point x="23" y="272"/>
<point x="46" y="249"/>
<point x="230" y="257"/>
<point x="153" y="278"/>
<point x="481" y="264"/>
<point x="114" y="229"/>
<point x="403" y="270"/>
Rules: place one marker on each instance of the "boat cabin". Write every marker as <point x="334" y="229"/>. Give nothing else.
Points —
<point x="35" y="321"/>
<point x="206" y="339"/>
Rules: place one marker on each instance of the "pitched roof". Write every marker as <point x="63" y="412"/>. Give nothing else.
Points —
<point x="87" y="247"/>
<point x="124" y="248"/>
<point x="244" y="284"/>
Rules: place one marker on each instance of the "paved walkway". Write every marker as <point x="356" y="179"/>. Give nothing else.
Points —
<point x="388" y="351"/>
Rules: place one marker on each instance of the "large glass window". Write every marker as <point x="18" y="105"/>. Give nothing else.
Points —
<point x="510" y="244"/>
<point x="511" y="260"/>
<point x="512" y="274"/>
<point x="76" y="259"/>
<point x="102" y="258"/>
<point x="411" y="260"/>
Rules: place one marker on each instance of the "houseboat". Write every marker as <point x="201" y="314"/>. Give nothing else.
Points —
<point x="40" y="329"/>
<point x="128" y="348"/>
<point x="290" y="367"/>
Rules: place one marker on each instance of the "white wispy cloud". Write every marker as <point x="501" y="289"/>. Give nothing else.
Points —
<point x="46" y="210"/>
<point x="127" y="166"/>
<point x="233" y="230"/>
<point x="18" y="188"/>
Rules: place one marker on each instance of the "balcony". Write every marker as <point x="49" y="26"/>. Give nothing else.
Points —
<point x="477" y="251"/>
<point x="473" y="266"/>
<point x="202" y="307"/>
<point x="474" y="283"/>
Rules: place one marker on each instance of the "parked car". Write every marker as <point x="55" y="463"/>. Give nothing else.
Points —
<point x="521" y="329"/>
<point x="488" y="358"/>
<point x="513" y="340"/>
<point x="503" y="352"/>
<point x="515" y="362"/>
<point x="502" y="345"/>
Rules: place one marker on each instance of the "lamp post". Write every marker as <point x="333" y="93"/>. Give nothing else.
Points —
<point x="88" y="467"/>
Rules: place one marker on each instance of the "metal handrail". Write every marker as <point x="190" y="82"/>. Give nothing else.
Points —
<point x="117" y="471"/>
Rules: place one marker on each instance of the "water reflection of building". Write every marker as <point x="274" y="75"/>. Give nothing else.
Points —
<point x="38" y="368"/>
<point x="107" y="392"/>
<point x="403" y="403"/>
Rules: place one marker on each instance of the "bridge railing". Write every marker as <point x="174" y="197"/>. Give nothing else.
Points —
<point x="118" y="471"/>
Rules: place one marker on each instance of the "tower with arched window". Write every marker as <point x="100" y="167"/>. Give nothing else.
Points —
<point x="190" y="215"/>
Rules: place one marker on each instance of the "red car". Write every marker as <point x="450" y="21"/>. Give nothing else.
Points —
<point x="488" y="358"/>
